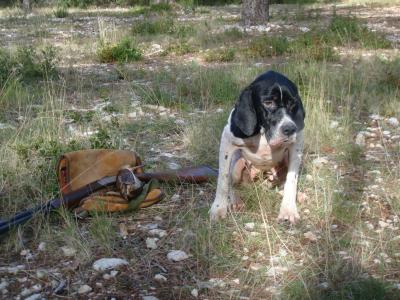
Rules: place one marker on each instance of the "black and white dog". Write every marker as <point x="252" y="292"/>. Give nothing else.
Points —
<point x="264" y="130"/>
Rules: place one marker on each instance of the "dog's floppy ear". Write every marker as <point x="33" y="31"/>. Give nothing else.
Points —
<point x="244" y="116"/>
<point x="300" y="114"/>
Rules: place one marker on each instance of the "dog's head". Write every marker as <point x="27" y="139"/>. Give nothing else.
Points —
<point x="270" y="105"/>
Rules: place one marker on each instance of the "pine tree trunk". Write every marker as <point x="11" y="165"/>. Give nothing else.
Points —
<point x="255" y="12"/>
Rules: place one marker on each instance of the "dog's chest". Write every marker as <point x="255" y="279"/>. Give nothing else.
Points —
<point x="257" y="151"/>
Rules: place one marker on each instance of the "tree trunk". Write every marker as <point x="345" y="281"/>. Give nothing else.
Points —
<point x="26" y="5"/>
<point x="255" y="12"/>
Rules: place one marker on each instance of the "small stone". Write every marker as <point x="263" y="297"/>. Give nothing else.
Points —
<point x="323" y="285"/>
<point x="249" y="226"/>
<point x="174" y="166"/>
<point x="236" y="281"/>
<point x="149" y="298"/>
<point x="26" y="292"/>
<point x="309" y="178"/>
<point x="108" y="263"/>
<point x="175" y="197"/>
<point x="245" y="258"/>
<point x="310" y="236"/>
<point x="375" y="117"/>
<point x="3" y="285"/>
<point x="194" y="293"/>
<point x="383" y="224"/>
<point x="151" y="243"/>
<point x="333" y="124"/>
<point x="320" y="161"/>
<point x="360" y="139"/>
<point x="150" y="226"/>
<point x="114" y="273"/>
<point x="24" y="252"/>
<point x="177" y="255"/>
<point x="217" y="282"/>
<point x="160" y="277"/>
<point x="158" y="232"/>
<point x="394" y="122"/>
<point x="42" y="246"/>
<point x="34" y="297"/>
<point x="158" y="218"/>
<point x="256" y="266"/>
<point x="68" y="251"/>
<point x="84" y="289"/>
<point x="41" y="274"/>
<point x="334" y="226"/>
<point x="107" y="276"/>
<point x="276" y="271"/>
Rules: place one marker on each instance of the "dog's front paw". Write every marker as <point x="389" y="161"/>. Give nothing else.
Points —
<point x="218" y="211"/>
<point x="288" y="212"/>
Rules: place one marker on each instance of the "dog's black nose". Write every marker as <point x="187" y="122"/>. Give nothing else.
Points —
<point x="288" y="129"/>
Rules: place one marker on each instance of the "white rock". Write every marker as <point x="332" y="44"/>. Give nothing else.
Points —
<point x="383" y="224"/>
<point x="150" y="226"/>
<point x="375" y="117"/>
<point x="217" y="282"/>
<point x="175" y="197"/>
<point x="276" y="271"/>
<point x="4" y="285"/>
<point x="160" y="277"/>
<point x="256" y="266"/>
<point x="34" y="297"/>
<point x="394" y="122"/>
<point x="149" y="298"/>
<point x="194" y="293"/>
<point x="26" y="292"/>
<point x="177" y="255"/>
<point x="323" y="285"/>
<point x="108" y="263"/>
<point x="68" y="251"/>
<point x="249" y="226"/>
<point x="42" y="246"/>
<point x="320" y="161"/>
<point x="309" y="178"/>
<point x="13" y="270"/>
<point x="334" y="124"/>
<point x="158" y="232"/>
<point x="360" y="139"/>
<point x="84" y="289"/>
<point x="174" y="166"/>
<point x="310" y="236"/>
<point x="151" y="243"/>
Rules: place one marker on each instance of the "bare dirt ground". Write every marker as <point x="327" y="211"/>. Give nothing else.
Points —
<point x="43" y="272"/>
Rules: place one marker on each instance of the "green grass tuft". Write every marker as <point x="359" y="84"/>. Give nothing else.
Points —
<point x="61" y="12"/>
<point x="124" y="51"/>
<point x="220" y="55"/>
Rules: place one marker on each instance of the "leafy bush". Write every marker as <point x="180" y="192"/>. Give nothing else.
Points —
<point x="28" y="63"/>
<point x="124" y="51"/>
<point x="180" y="48"/>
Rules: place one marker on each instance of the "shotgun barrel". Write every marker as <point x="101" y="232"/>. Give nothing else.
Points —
<point x="192" y="175"/>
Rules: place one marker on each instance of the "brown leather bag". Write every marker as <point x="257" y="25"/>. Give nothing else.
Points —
<point x="79" y="168"/>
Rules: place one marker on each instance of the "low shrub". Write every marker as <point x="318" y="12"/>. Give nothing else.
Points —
<point x="345" y="30"/>
<point x="28" y="63"/>
<point x="124" y="51"/>
<point x="154" y="26"/>
<point x="61" y="12"/>
<point x="220" y="55"/>
<point x="267" y="46"/>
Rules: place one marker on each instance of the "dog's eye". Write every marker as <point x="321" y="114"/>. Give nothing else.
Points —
<point x="269" y="103"/>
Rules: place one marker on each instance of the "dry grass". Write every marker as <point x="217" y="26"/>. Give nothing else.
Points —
<point x="171" y="109"/>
